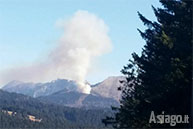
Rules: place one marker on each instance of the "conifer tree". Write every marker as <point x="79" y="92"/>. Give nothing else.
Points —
<point x="160" y="79"/>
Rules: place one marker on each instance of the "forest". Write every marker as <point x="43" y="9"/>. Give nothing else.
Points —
<point x="51" y="116"/>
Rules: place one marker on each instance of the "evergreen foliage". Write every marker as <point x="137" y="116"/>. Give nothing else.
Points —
<point x="53" y="116"/>
<point x="160" y="79"/>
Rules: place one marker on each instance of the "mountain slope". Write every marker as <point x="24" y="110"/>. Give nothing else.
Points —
<point x="51" y="116"/>
<point x="79" y="100"/>
<point x="108" y="87"/>
<point x="64" y="92"/>
<point x="40" y="89"/>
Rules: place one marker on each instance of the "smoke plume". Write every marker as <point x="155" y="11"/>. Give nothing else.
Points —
<point x="85" y="38"/>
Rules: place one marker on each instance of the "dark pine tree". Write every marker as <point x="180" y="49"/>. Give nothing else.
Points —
<point x="160" y="79"/>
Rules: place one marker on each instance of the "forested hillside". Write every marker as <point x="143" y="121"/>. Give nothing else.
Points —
<point x="18" y="110"/>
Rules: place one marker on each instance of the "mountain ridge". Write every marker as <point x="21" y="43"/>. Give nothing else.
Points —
<point x="64" y="92"/>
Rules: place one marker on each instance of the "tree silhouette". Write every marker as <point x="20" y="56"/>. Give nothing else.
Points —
<point x="160" y="79"/>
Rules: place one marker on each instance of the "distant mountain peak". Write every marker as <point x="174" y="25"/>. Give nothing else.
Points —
<point x="15" y="82"/>
<point x="65" y="92"/>
<point x="40" y="89"/>
<point x="109" y="87"/>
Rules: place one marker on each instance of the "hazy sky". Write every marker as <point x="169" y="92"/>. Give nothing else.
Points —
<point x="30" y="30"/>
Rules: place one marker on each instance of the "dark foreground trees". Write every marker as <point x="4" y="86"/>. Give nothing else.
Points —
<point x="160" y="79"/>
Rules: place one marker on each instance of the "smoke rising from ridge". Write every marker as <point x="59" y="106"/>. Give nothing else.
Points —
<point x="85" y="38"/>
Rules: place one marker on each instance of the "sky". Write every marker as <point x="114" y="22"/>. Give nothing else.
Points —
<point x="30" y="29"/>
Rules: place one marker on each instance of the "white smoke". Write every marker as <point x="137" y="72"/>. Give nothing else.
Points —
<point x="85" y="38"/>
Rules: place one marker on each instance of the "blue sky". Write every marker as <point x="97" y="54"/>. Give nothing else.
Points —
<point x="28" y="31"/>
